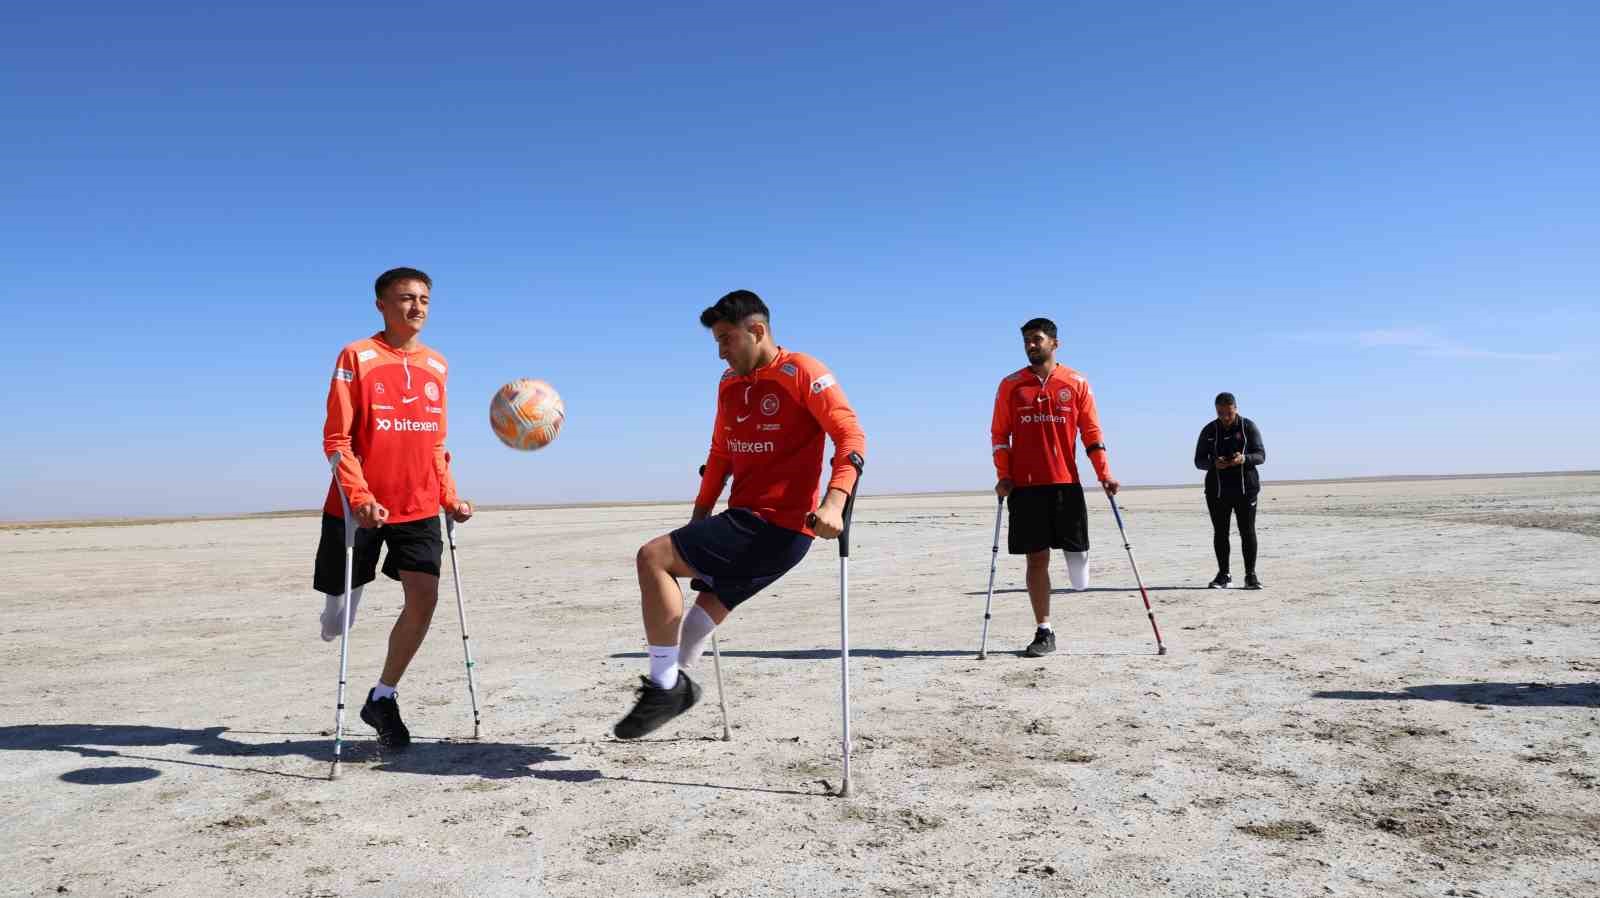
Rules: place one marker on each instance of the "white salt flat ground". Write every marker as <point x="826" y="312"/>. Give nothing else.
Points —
<point x="1411" y="707"/>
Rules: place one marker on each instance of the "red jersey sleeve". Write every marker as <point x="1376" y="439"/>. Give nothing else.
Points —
<point x="1000" y="431"/>
<point x="1094" y="444"/>
<point x="339" y="425"/>
<point x="826" y="402"/>
<point x="718" y="463"/>
<point x="441" y="456"/>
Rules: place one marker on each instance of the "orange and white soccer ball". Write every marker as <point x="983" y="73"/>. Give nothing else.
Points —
<point x="527" y="414"/>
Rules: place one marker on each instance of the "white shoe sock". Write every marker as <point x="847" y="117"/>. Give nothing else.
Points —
<point x="1077" y="568"/>
<point x="382" y="690"/>
<point x="333" y="613"/>
<point x="1046" y="626"/>
<point x="697" y="629"/>
<point x="664" y="665"/>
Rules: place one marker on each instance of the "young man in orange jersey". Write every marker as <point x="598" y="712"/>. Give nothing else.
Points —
<point x="773" y="409"/>
<point x="386" y="419"/>
<point x="1039" y="412"/>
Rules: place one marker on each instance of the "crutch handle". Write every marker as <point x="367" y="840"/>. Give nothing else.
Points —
<point x="1114" y="510"/>
<point x="857" y="462"/>
<point x="349" y="518"/>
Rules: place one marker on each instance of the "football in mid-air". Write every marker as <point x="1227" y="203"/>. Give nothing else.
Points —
<point x="527" y="414"/>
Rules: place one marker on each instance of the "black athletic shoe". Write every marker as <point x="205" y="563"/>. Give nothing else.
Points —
<point x="1044" y="642"/>
<point x="1220" y="581"/>
<point x="1251" y="582"/>
<point x="383" y="715"/>
<point x="657" y="706"/>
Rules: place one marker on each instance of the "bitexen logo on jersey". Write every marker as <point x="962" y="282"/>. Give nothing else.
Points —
<point x="748" y="446"/>
<point x="407" y="426"/>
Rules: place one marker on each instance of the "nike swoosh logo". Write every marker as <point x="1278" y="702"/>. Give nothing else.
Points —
<point x="741" y="419"/>
<point x="408" y="399"/>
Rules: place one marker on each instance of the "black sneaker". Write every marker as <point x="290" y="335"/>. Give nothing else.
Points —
<point x="1220" y="581"/>
<point x="657" y="706"/>
<point x="383" y="715"/>
<point x="1251" y="582"/>
<point x="1044" y="642"/>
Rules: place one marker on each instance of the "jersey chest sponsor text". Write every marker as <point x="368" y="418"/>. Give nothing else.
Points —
<point x="403" y="425"/>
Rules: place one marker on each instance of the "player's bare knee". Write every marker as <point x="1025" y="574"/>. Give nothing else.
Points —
<point x="425" y="600"/>
<point x="655" y="555"/>
<point x="421" y="590"/>
<point x="1039" y="561"/>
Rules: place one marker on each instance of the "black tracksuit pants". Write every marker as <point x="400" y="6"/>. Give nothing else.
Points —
<point x="1244" y="508"/>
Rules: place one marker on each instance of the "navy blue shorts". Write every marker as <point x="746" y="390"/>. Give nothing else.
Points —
<point x="736" y="554"/>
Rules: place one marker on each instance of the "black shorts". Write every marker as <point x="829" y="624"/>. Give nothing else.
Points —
<point x="736" y="554"/>
<point x="413" y="546"/>
<point x="1052" y="516"/>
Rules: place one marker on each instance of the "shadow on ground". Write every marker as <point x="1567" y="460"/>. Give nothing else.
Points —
<point x="828" y="654"/>
<point x="435" y="757"/>
<point x="489" y="760"/>
<point x="1514" y="695"/>
<point x="1067" y="592"/>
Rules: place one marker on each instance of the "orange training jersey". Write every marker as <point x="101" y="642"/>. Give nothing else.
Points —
<point x="768" y="434"/>
<point x="386" y="421"/>
<point x="1036" y="426"/>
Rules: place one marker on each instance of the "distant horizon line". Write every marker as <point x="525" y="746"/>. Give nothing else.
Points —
<point x="143" y="521"/>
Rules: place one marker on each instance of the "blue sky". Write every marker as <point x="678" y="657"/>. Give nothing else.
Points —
<point x="1374" y="222"/>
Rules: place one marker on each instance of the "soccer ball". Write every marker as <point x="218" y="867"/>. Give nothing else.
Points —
<point x="527" y="414"/>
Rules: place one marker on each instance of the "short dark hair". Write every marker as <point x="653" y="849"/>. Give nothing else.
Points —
<point x="734" y="308"/>
<point x="400" y="274"/>
<point x="1045" y="325"/>
<point x="1225" y="399"/>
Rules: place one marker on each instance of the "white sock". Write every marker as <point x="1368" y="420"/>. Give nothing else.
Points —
<point x="1046" y="626"/>
<point x="1077" y="568"/>
<point x="697" y="629"/>
<point x="664" y="665"/>
<point x="333" y="613"/>
<point x="382" y="690"/>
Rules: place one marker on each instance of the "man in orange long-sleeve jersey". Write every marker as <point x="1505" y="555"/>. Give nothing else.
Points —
<point x="386" y="419"/>
<point x="1039" y="412"/>
<point x="774" y="408"/>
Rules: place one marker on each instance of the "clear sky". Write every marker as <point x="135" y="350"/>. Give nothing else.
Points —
<point x="1375" y="222"/>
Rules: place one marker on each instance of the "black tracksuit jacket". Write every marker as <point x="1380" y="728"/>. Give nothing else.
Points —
<point x="1217" y="442"/>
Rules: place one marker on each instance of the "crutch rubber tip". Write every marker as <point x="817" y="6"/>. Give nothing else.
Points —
<point x="1161" y="650"/>
<point x="983" y="656"/>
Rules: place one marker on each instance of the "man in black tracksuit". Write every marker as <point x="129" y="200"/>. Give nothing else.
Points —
<point x="1229" y="451"/>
